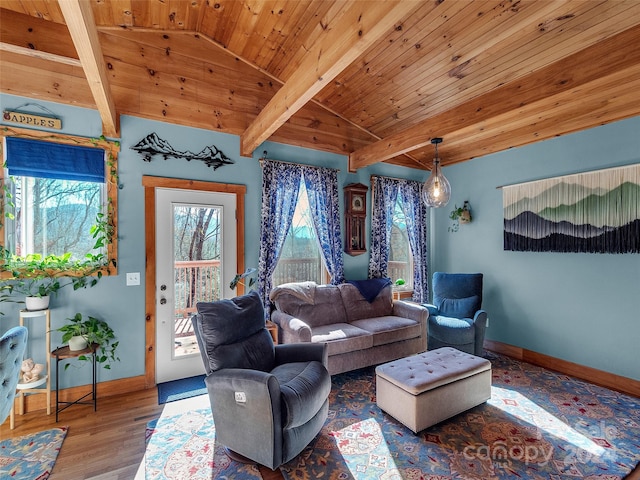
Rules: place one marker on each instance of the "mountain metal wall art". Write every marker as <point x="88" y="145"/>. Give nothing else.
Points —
<point x="152" y="145"/>
<point x="594" y="212"/>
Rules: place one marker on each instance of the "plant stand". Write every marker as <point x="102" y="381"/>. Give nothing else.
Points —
<point x="64" y="353"/>
<point x="35" y="386"/>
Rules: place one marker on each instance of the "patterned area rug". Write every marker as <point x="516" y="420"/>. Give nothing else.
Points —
<point x="31" y="457"/>
<point x="183" y="447"/>
<point x="537" y="425"/>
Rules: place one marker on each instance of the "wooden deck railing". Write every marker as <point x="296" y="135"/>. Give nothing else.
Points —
<point x="297" y="270"/>
<point x="199" y="280"/>
<point x="195" y="281"/>
<point x="397" y="270"/>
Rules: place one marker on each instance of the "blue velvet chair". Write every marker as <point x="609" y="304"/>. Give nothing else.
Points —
<point x="12" y="346"/>
<point x="455" y="317"/>
<point x="268" y="402"/>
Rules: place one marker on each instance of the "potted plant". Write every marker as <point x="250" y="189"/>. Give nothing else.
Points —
<point x="97" y="336"/>
<point x="34" y="277"/>
<point x="38" y="277"/>
<point x="237" y="280"/>
<point x="460" y="215"/>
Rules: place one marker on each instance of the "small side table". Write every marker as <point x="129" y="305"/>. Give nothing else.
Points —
<point x="402" y="294"/>
<point x="273" y="330"/>
<point x="64" y="353"/>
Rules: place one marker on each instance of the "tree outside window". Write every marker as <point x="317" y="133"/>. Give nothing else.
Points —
<point x="54" y="217"/>
<point x="400" y="257"/>
<point x="197" y="250"/>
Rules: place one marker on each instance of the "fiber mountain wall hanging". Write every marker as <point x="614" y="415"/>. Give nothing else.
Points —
<point x="594" y="212"/>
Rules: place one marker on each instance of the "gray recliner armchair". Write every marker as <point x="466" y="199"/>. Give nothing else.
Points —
<point x="455" y="317"/>
<point x="268" y="402"/>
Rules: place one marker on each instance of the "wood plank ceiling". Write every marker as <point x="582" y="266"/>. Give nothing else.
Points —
<point x="371" y="79"/>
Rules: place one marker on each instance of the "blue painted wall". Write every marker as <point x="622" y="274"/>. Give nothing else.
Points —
<point x="579" y="307"/>
<point x="111" y="299"/>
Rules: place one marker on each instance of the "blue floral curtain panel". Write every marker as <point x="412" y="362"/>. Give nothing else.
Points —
<point x="280" y="185"/>
<point x="322" y="190"/>
<point x="594" y="212"/>
<point x="384" y="193"/>
<point x="415" y="212"/>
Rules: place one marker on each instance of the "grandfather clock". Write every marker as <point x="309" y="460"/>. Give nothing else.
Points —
<point x="355" y="208"/>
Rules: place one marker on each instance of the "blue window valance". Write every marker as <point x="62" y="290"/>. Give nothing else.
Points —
<point x="36" y="158"/>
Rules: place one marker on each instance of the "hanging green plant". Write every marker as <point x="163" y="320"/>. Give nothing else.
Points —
<point x="460" y="215"/>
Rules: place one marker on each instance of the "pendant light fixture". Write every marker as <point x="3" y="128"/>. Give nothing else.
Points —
<point x="436" y="191"/>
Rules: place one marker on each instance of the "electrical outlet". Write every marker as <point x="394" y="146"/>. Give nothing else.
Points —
<point x="133" y="278"/>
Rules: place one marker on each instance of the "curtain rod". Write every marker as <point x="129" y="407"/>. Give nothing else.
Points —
<point x="395" y="178"/>
<point x="566" y="175"/>
<point x="264" y="157"/>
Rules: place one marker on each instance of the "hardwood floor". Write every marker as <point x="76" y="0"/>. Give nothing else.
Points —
<point x="103" y="445"/>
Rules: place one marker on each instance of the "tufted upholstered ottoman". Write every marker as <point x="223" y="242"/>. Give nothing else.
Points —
<point x="424" y="389"/>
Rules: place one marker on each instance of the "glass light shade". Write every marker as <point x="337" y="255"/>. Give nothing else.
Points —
<point x="436" y="191"/>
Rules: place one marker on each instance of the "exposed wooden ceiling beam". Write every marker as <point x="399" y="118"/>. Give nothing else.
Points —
<point x="611" y="55"/>
<point x="29" y="52"/>
<point x="79" y="18"/>
<point x="362" y="24"/>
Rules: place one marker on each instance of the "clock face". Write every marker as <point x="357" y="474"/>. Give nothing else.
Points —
<point x="357" y="203"/>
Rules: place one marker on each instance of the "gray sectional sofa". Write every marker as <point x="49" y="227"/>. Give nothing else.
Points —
<point x="358" y="333"/>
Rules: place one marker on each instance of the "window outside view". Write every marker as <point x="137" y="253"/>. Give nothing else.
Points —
<point x="53" y="217"/>
<point x="197" y="245"/>
<point x="301" y="260"/>
<point x="400" y="257"/>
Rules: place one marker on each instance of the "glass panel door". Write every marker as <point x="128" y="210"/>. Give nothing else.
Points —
<point x="195" y="261"/>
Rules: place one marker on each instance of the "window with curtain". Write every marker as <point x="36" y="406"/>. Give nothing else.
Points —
<point x="59" y="197"/>
<point x="281" y="187"/>
<point x="397" y="209"/>
<point x="301" y="258"/>
<point x="54" y="196"/>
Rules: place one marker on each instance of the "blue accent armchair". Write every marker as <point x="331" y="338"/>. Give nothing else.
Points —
<point x="268" y="402"/>
<point x="455" y="317"/>
<point x="12" y="346"/>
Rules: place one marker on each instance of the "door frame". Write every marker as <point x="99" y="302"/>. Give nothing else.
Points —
<point x="150" y="184"/>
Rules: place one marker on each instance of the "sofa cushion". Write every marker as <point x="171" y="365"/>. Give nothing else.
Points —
<point x="389" y="329"/>
<point x="459" y="307"/>
<point x="452" y="331"/>
<point x="342" y="338"/>
<point x="357" y="307"/>
<point x="326" y="308"/>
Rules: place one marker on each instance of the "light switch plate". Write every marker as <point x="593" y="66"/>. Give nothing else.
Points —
<point x="133" y="278"/>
